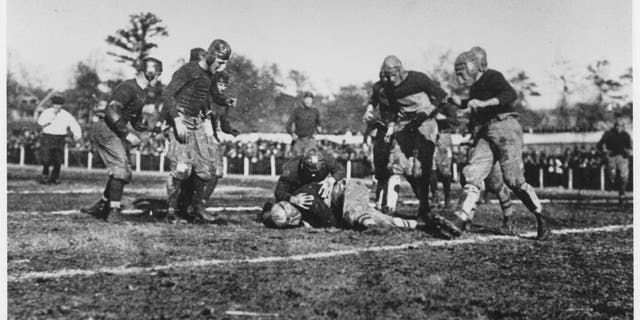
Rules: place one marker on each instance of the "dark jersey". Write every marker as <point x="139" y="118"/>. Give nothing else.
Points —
<point x="306" y="121"/>
<point x="615" y="142"/>
<point x="292" y="179"/>
<point x="125" y="107"/>
<point x="492" y="84"/>
<point x="380" y="100"/>
<point x="188" y="93"/>
<point x="417" y="93"/>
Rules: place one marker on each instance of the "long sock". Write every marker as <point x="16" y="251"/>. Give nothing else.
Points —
<point x="209" y="188"/>
<point x="467" y="203"/>
<point x="199" y="186"/>
<point x="527" y="194"/>
<point x="173" y="192"/>
<point x="116" y="187"/>
<point x="55" y="174"/>
<point x="393" y="186"/>
<point x="45" y="169"/>
<point x="446" y="189"/>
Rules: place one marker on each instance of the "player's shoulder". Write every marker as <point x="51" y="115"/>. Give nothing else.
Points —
<point x="290" y="167"/>
<point x="493" y="74"/>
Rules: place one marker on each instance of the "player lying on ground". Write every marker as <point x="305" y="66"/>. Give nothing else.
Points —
<point x="312" y="191"/>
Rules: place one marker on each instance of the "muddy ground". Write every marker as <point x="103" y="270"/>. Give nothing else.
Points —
<point x="575" y="276"/>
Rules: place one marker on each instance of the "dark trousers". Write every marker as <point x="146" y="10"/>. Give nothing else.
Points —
<point x="52" y="154"/>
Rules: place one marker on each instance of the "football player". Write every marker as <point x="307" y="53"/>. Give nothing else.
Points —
<point x="114" y="137"/>
<point x="312" y="191"/>
<point x="498" y="139"/>
<point x="186" y="98"/>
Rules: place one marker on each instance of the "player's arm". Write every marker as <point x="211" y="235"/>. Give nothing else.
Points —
<point x="114" y="112"/>
<point x="74" y="126"/>
<point x="290" y="122"/>
<point x="46" y="117"/>
<point x="283" y="190"/>
<point x="436" y="94"/>
<point x="336" y="169"/>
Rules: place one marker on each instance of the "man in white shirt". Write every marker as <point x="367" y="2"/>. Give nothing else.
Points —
<point x="55" y="122"/>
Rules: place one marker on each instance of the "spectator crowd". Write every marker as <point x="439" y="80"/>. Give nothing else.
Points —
<point x="584" y="161"/>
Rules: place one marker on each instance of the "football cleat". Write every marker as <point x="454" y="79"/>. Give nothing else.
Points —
<point x="543" y="228"/>
<point x="99" y="210"/>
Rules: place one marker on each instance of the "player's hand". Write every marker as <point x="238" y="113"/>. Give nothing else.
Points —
<point x="294" y="136"/>
<point x="368" y="116"/>
<point x="181" y="129"/>
<point x="302" y="200"/>
<point x="133" y="139"/>
<point x="231" y="102"/>
<point x="455" y="100"/>
<point x="326" y="186"/>
<point x="389" y="133"/>
<point x="475" y="104"/>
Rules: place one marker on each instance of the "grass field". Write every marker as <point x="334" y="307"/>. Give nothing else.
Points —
<point x="67" y="265"/>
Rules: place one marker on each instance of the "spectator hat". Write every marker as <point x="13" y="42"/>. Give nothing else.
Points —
<point x="57" y="100"/>
<point x="308" y="94"/>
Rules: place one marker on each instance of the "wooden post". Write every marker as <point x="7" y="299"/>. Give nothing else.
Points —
<point x="138" y="160"/>
<point x="455" y="172"/>
<point x="602" y="178"/>
<point x="246" y="167"/>
<point x="541" y="178"/>
<point x="89" y="160"/>
<point x="66" y="156"/>
<point x="225" y="166"/>
<point x="273" y="165"/>
<point x="348" y="169"/>
<point x="162" y="162"/>
<point x="21" y="155"/>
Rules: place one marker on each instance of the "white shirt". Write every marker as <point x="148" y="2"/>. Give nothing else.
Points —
<point x="57" y="124"/>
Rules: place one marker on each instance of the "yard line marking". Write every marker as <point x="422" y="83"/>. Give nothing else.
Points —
<point x="162" y="190"/>
<point x="134" y="211"/>
<point x="123" y="270"/>
<point x="563" y="201"/>
<point x="250" y="314"/>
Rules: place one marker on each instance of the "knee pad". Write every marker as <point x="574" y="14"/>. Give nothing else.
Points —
<point x="121" y="173"/>
<point x="470" y="179"/>
<point x="182" y="171"/>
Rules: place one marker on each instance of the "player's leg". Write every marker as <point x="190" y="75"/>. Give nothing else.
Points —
<point x="202" y="169"/>
<point x="433" y="180"/>
<point x="45" y="159"/>
<point x="57" y="160"/>
<point x="425" y="144"/>
<point x="506" y="137"/>
<point x="381" y="151"/>
<point x="115" y="155"/>
<point x="478" y="168"/>
<point x="180" y="159"/>
<point x="623" y="172"/>
<point x="495" y="184"/>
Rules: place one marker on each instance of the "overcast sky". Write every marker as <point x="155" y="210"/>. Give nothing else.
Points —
<point x="335" y="42"/>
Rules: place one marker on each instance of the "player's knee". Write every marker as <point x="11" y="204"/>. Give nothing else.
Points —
<point x="182" y="171"/>
<point x="122" y="173"/>
<point x="513" y="181"/>
<point x="471" y="178"/>
<point x="204" y="175"/>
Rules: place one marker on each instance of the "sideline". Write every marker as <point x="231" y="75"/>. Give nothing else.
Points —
<point x="123" y="270"/>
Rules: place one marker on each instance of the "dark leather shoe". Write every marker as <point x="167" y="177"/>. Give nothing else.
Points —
<point x="99" y="210"/>
<point x="543" y="227"/>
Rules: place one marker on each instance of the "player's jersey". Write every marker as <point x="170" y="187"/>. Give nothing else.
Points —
<point x="492" y="84"/>
<point x="415" y="95"/>
<point x="188" y="93"/>
<point x="380" y="101"/>
<point x="125" y="106"/>
<point x="292" y="179"/>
